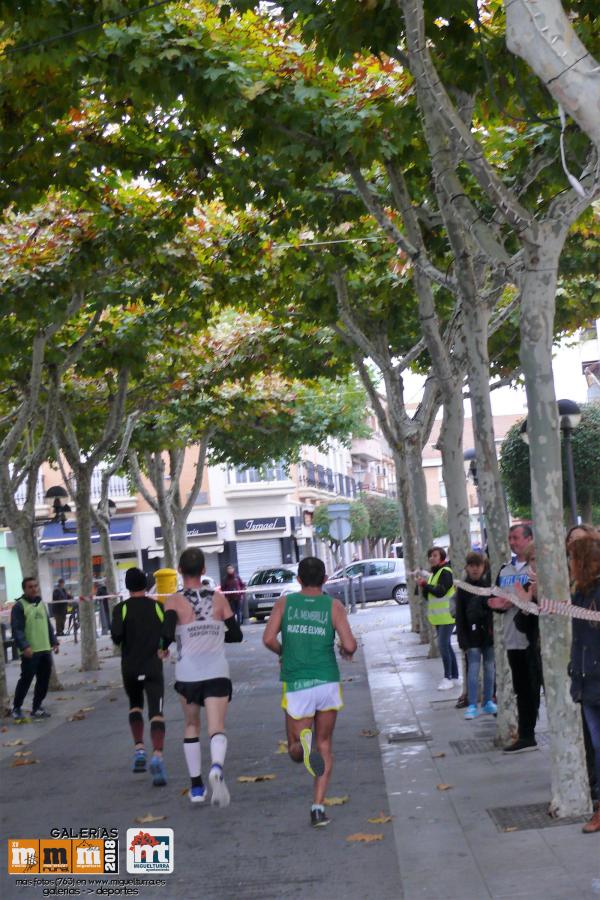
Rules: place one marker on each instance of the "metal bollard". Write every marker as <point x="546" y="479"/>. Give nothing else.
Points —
<point x="361" y="591"/>
<point x="345" y="593"/>
<point x="352" y="594"/>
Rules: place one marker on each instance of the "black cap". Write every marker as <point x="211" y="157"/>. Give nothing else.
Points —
<point x="135" y="580"/>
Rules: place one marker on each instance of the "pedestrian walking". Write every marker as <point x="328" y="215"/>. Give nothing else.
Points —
<point x="584" y="669"/>
<point x="234" y="588"/>
<point x="136" y="628"/>
<point x="312" y="695"/>
<point x="437" y="589"/>
<point x="35" y="639"/>
<point x="103" y="607"/>
<point x="475" y="632"/>
<point x="202" y="621"/>
<point x="523" y="656"/>
<point x="60" y="604"/>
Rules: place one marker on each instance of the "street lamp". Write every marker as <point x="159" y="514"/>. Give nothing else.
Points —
<point x="569" y="416"/>
<point x="470" y="456"/>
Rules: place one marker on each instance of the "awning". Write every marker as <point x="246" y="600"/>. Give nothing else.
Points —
<point x="54" y="535"/>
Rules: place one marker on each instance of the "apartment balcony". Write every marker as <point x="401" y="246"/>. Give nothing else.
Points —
<point x="367" y="448"/>
<point x="257" y="489"/>
<point x="119" y="490"/>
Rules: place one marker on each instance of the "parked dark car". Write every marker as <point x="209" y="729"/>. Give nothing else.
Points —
<point x="383" y="579"/>
<point x="277" y="580"/>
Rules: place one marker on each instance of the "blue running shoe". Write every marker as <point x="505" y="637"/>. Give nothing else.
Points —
<point x="139" y="761"/>
<point x="489" y="708"/>
<point x="157" y="768"/>
<point x="471" y="712"/>
<point x="197" y="794"/>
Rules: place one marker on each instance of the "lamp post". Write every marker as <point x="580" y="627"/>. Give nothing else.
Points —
<point x="570" y="416"/>
<point x="470" y="456"/>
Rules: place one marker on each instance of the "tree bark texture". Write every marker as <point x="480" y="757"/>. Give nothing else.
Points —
<point x="570" y="790"/>
<point x="87" y="614"/>
<point x="453" y="471"/>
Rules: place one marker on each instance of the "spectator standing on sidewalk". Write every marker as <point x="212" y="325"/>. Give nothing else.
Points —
<point x="136" y="627"/>
<point x="60" y="603"/>
<point x="584" y="668"/>
<point x="437" y="590"/>
<point x="474" y="628"/>
<point x="522" y="653"/>
<point x="234" y="588"/>
<point x="35" y="639"/>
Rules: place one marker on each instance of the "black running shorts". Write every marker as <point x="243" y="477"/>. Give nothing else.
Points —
<point x="151" y="684"/>
<point x="197" y="691"/>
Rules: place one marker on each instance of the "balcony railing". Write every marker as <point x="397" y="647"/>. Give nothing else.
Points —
<point x="118" y="486"/>
<point x="21" y="492"/>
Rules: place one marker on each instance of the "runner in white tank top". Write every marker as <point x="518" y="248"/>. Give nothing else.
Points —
<point x="201" y="621"/>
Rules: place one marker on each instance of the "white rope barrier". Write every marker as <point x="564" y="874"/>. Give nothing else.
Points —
<point x="549" y="607"/>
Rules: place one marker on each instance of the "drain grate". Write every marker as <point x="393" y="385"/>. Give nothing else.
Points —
<point x="486" y="745"/>
<point x="528" y="817"/>
<point x="407" y="735"/>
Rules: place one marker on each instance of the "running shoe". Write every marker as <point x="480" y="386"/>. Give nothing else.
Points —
<point x="489" y="708"/>
<point x="445" y="685"/>
<point x="139" y="761"/>
<point x="18" y="714"/>
<point x="471" y="712"/>
<point x="40" y="713"/>
<point x="157" y="769"/>
<point x="314" y="762"/>
<point x="197" y="794"/>
<point x="319" y="818"/>
<point x="219" y="794"/>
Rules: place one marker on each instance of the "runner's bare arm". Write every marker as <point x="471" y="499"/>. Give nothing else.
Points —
<point x="340" y="622"/>
<point x="270" y="639"/>
<point x="221" y="608"/>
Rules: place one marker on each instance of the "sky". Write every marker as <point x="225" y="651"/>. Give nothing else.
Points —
<point x="569" y="380"/>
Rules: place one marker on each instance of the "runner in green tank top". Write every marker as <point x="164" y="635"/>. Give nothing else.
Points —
<point x="308" y="622"/>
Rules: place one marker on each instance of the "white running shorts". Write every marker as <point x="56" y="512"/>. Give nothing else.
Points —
<point x="305" y="703"/>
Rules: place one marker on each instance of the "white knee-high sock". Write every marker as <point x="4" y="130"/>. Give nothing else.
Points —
<point x="193" y="759"/>
<point x="218" y="748"/>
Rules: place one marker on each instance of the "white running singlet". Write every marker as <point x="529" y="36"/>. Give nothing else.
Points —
<point x="201" y="644"/>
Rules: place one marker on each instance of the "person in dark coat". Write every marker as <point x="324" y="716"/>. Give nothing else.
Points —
<point x="60" y="603"/>
<point x="475" y="632"/>
<point x="232" y="582"/>
<point x="584" y="667"/>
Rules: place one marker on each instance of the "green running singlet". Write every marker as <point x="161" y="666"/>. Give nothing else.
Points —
<point x="307" y="638"/>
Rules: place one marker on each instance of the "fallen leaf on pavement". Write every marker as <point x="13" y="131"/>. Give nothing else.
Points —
<point x="87" y="708"/>
<point x="23" y="753"/>
<point x="13" y="743"/>
<point x="511" y="828"/>
<point x="367" y="732"/>
<point x="23" y="762"/>
<point x="438" y="755"/>
<point x="143" y="820"/>
<point x="335" y="801"/>
<point x="76" y="717"/>
<point x="381" y="819"/>
<point x="364" y="838"/>
<point x="283" y="747"/>
<point x="444" y="787"/>
<point x="247" y="779"/>
<point x="185" y="792"/>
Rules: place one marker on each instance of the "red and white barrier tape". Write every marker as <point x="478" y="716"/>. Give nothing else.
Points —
<point x="553" y="607"/>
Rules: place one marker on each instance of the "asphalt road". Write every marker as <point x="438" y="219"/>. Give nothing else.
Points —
<point x="262" y="845"/>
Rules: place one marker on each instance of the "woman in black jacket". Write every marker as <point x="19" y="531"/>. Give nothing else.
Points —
<point x="584" y="668"/>
<point x="474" y="628"/>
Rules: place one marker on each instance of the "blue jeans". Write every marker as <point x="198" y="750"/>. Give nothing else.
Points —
<point x="592" y="717"/>
<point x="474" y="655"/>
<point x="444" y="633"/>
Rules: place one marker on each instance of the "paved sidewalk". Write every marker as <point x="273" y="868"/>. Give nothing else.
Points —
<point x="448" y="845"/>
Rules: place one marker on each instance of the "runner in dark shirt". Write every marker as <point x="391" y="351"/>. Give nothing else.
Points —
<point x="137" y="627"/>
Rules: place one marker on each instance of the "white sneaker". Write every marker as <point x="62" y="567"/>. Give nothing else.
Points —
<point x="456" y="682"/>
<point x="218" y="788"/>
<point x="445" y="685"/>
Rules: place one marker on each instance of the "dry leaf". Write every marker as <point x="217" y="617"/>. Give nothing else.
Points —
<point x="438" y="755"/>
<point x="13" y="743"/>
<point x="361" y="838"/>
<point x="511" y="828"/>
<point x="366" y="732"/>
<point x="444" y="787"/>
<point x="335" y="801"/>
<point x="76" y="717"/>
<point x="247" y="779"/>
<point x="23" y="753"/>
<point x="185" y="792"/>
<point x="23" y="762"/>
<point x="144" y="820"/>
<point x="283" y="747"/>
<point x="381" y="819"/>
<point x="87" y="708"/>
